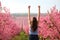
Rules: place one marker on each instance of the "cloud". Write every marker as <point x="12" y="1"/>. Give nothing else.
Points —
<point x="20" y="6"/>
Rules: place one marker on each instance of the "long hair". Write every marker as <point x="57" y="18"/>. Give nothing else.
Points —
<point x="34" y="24"/>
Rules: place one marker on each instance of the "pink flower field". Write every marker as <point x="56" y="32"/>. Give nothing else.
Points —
<point x="48" y="27"/>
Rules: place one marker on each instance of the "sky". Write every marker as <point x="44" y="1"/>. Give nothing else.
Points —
<point x="21" y="6"/>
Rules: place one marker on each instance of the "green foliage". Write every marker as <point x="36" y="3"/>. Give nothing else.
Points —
<point x="21" y="36"/>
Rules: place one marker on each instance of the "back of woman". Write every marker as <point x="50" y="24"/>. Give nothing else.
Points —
<point x="33" y="32"/>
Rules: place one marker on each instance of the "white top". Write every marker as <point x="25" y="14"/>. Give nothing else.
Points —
<point x="33" y="33"/>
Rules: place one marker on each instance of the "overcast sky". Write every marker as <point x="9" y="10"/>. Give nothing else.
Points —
<point x="21" y="6"/>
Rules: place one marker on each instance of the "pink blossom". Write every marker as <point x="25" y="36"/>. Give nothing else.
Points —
<point x="8" y="27"/>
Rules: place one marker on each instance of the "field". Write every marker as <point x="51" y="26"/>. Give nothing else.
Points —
<point x="17" y="28"/>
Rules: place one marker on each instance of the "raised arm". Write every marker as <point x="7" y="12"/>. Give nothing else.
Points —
<point x="29" y="19"/>
<point x="38" y="17"/>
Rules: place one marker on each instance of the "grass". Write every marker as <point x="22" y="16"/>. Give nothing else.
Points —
<point x="21" y="36"/>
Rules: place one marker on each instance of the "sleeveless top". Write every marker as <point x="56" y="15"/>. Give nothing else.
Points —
<point x="33" y="33"/>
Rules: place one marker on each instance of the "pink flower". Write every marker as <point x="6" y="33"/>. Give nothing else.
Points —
<point x="8" y="27"/>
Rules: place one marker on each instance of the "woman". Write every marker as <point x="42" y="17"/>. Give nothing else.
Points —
<point x="33" y="24"/>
